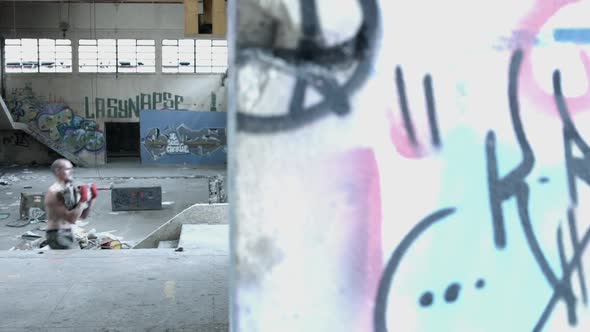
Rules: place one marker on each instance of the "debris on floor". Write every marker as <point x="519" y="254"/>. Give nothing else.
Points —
<point x="216" y="190"/>
<point x="7" y="179"/>
<point x="88" y="240"/>
<point x="4" y="216"/>
<point x="36" y="215"/>
<point x="33" y="216"/>
<point x="98" y="240"/>
<point x="31" y="245"/>
<point x="31" y="236"/>
<point x="18" y="223"/>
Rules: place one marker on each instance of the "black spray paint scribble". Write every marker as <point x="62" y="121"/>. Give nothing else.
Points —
<point x="503" y="188"/>
<point x="394" y="262"/>
<point x="17" y="139"/>
<point x="314" y="66"/>
<point x="405" y="109"/>
<point x="576" y="168"/>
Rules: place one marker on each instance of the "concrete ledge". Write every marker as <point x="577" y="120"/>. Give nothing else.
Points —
<point x="212" y="214"/>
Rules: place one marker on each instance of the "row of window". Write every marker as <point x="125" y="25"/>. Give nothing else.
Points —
<point x="115" y="56"/>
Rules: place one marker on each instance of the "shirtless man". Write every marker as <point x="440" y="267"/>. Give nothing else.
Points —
<point x="59" y="218"/>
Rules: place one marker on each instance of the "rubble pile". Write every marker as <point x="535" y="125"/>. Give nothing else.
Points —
<point x="87" y="240"/>
<point x="92" y="240"/>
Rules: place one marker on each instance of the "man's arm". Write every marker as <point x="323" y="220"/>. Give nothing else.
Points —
<point x="59" y="211"/>
<point x="86" y="211"/>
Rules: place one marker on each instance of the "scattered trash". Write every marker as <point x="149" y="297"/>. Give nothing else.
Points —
<point x="27" y="187"/>
<point x="36" y="215"/>
<point x="8" y="193"/>
<point x="181" y="249"/>
<point x="31" y="236"/>
<point x="38" y="243"/>
<point x="33" y="216"/>
<point x="7" y="179"/>
<point x="167" y="203"/>
<point x="18" y="223"/>
<point x="88" y="240"/>
<point x="92" y="240"/>
<point x="4" y="216"/>
<point x="114" y="244"/>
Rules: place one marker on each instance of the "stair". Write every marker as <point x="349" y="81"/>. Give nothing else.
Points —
<point x="7" y="123"/>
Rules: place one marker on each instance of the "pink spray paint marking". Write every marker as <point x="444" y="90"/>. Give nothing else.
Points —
<point x="541" y="13"/>
<point x="356" y="172"/>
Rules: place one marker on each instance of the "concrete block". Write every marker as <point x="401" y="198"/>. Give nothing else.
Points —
<point x="133" y="199"/>
<point x="215" y="237"/>
<point x="167" y="244"/>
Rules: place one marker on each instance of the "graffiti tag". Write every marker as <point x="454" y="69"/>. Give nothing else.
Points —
<point x="514" y="186"/>
<point x="129" y="108"/>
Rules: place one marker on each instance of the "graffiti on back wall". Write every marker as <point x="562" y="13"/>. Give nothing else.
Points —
<point x="56" y="121"/>
<point x="16" y="139"/>
<point x="179" y="137"/>
<point x="183" y="140"/>
<point x="130" y="107"/>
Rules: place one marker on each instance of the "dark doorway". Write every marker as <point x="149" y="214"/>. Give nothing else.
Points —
<point x="122" y="141"/>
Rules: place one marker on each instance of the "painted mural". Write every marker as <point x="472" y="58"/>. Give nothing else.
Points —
<point x="183" y="137"/>
<point x="55" y="120"/>
<point x="422" y="180"/>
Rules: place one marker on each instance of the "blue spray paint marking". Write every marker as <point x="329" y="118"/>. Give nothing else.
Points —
<point x="573" y="35"/>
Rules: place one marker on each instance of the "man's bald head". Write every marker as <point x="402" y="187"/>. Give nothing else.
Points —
<point x="62" y="169"/>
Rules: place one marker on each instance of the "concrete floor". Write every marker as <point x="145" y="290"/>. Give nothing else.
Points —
<point x="114" y="290"/>
<point x="182" y="186"/>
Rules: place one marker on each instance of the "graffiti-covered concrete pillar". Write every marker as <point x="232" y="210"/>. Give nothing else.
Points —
<point x="410" y="166"/>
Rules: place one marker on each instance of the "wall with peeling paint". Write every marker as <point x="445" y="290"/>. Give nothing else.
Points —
<point x="416" y="172"/>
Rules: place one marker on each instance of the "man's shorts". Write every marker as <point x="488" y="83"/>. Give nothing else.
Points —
<point x="60" y="239"/>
